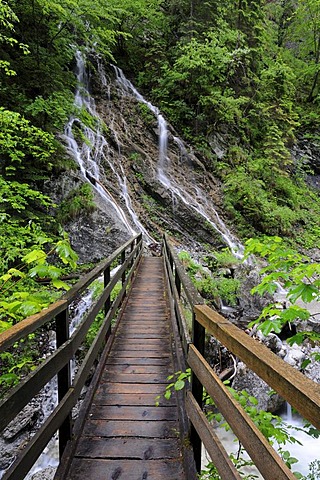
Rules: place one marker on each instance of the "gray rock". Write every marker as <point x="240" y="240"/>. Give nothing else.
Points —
<point x="26" y="419"/>
<point x="47" y="473"/>
<point x="250" y="306"/>
<point x="247" y="380"/>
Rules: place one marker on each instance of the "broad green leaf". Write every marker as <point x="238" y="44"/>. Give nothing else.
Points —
<point x="304" y="291"/>
<point x="14" y="272"/>
<point x="293" y="313"/>
<point x="4" y="325"/>
<point x="179" y="385"/>
<point x="167" y="394"/>
<point x="40" y="270"/>
<point x="60" y="284"/>
<point x="54" y="272"/>
<point x="35" y="256"/>
<point x="269" y="326"/>
<point x="30" y="308"/>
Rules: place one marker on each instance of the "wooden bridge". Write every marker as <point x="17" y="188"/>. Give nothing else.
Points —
<point x="120" y="433"/>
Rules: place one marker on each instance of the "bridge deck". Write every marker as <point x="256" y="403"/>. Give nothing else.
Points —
<point x="125" y="435"/>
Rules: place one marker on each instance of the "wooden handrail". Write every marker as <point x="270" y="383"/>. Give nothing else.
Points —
<point x="301" y="392"/>
<point x="263" y="455"/>
<point x="129" y="255"/>
<point x="32" y="323"/>
<point x="180" y="283"/>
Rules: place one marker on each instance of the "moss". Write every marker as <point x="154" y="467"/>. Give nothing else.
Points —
<point x="78" y="201"/>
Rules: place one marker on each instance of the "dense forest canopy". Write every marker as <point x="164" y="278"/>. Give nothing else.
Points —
<point x="246" y="70"/>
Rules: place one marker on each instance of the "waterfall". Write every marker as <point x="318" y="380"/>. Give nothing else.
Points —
<point x="89" y="154"/>
<point x="198" y="201"/>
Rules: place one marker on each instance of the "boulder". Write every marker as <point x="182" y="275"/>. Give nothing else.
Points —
<point x="247" y="380"/>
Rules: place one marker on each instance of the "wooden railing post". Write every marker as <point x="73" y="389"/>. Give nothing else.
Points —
<point x="64" y="378"/>
<point x="123" y="259"/>
<point x="198" y="339"/>
<point x="107" y="305"/>
<point x="170" y="260"/>
<point x="177" y="282"/>
<point x="131" y="250"/>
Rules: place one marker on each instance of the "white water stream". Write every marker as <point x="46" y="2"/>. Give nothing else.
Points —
<point x="91" y="152"/>
<point x="305" y="453"/>
<point x="195" y="198"/>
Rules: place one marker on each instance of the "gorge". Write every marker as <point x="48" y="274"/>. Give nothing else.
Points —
<point x="196" y="119"/>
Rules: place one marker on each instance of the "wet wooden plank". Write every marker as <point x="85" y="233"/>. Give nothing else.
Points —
<point x="137" y="377"/>
<point x="119" y="428"/>
<point x="127" y="368"/>
<point x="136" y="399"/>
<point x="136" y="448"/>
<point x="124" y="346"/>
<point x="156" y="388"/>
<point x="150" y="342"/>
<point x="119" y="412"/>
<point x="101" y="469"/>
<point x="144" y="335"/>
<point x="132" y="354"/>
<point x="164" y="361"/>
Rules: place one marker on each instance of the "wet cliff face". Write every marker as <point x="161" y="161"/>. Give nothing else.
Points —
<point x="146" y="171"/>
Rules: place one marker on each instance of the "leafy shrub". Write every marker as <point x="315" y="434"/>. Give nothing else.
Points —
<point x="78" y="201"/>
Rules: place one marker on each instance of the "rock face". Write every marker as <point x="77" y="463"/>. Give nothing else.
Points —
<point x="164" y="189"/>
<point x="95" y="234"/>
<point x="293" y="355"/>
<point x="250" y="306"/>
<point x="17" y="434"/>
<point x="249" y="381"/>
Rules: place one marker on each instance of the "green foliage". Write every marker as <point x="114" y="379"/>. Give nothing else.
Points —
<point x="78" y="201"/>
<point x="213" y="285"/>
<point x="299" y="276"/>
<point x="223" y="258"/>
<point x="19" y="199"/>
<point x="23" y="147"/>
<point x="145" y="113"/>
<point x="203" y="80"/>
<point x="20" y="295"/>
<point x="53" y="111"/>
<point x="190" y="265"/>
<point x="180" y="378"/>
<point x="7" y="20"/>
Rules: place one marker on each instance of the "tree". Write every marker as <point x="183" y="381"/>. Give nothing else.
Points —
<point x="7" y="20"/>
<point x="305" y="32"/>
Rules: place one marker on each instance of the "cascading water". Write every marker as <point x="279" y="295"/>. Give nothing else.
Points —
<point x="121" y="177"/>
<point x="198" y="201"/>
<point x="90" y="154"/>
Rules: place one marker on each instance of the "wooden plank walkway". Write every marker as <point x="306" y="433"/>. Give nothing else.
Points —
<point x="125" y="435"/>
